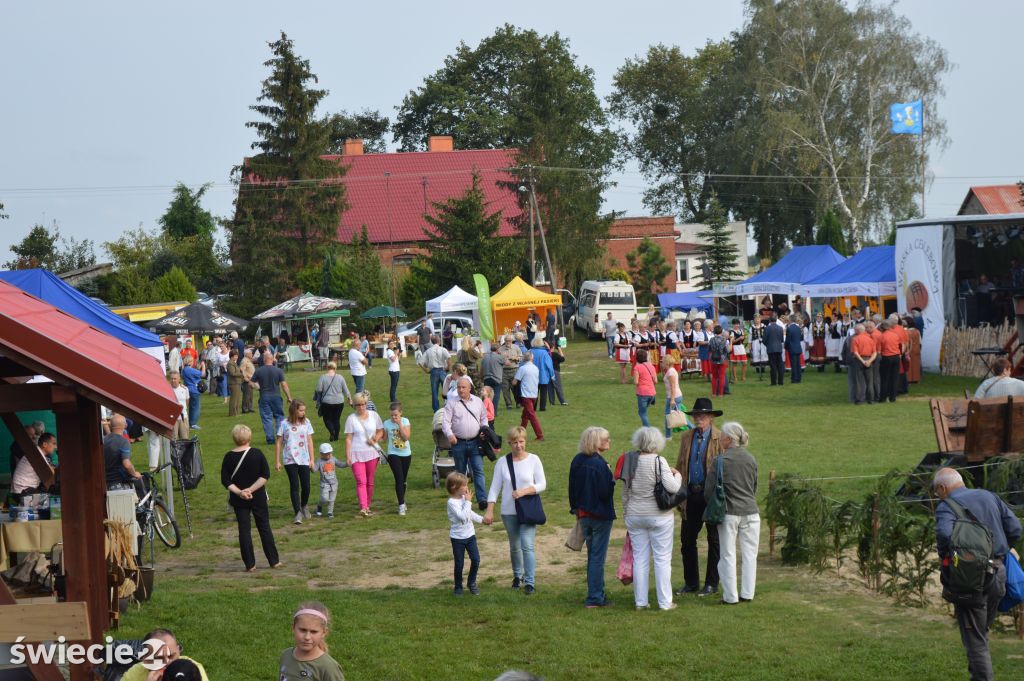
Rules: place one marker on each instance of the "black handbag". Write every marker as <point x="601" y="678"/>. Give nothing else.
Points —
<point x="489" y="442"/>
<point x="529" y="509"/>
<point x="663" y="498"/>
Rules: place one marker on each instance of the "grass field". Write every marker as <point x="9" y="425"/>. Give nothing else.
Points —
<point x="388" y="579"/>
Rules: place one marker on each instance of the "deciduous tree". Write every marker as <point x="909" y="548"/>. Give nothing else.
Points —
<point x="647" y="268"/>
<point x="46" y="248"/>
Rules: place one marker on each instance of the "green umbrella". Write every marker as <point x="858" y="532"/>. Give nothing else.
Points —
<point x="383" y="312"/>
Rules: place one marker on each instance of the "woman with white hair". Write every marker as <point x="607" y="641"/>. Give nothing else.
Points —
<point x="650" y="528"/>
<point x="739" y="479"/>
<point x="592" y="501"/>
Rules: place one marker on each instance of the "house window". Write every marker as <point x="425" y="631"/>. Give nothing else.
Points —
<point x="682" y="270"/>
<point x="402" y="260"/>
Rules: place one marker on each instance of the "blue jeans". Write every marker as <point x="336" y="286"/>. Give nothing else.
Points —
<point x="193" y="409"/>
<point x="393" y="393"/>
<point x="222" y="385"/>
<point x="496" y="387"/>
<point x="436" y="381"/>
<point x="642" y="403"/>
<point x="610" y="340"/>
<point x="460" y="547"/>
<point x="271" y="413"/>
<point x="467" y="454"/>
<point x="669" y="403"/>
<point x="520" y="548"/>
<point x="359" y="381"/>
<point x="596" y="533"/>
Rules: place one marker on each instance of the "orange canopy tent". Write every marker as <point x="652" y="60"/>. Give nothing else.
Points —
<point x="516" y="300"/>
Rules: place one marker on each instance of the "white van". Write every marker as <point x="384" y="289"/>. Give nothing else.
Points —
<point x="601" y="297"/>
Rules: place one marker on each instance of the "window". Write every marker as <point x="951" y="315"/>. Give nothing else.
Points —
<point x="588" y="300"/>
<point x="620" y="298"/>
<point x="682" y="270"/>
<point x="402" y="260"/>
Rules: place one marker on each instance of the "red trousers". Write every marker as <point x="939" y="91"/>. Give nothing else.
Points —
<point x="530" y="416"/>
<point x="718" y="379"/>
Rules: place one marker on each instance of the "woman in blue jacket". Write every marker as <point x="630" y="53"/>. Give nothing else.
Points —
<point x="592" y="501"/>
<point x="542" y="358"/>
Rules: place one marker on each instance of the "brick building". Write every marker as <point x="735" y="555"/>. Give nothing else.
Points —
<point x="626" y="234"/>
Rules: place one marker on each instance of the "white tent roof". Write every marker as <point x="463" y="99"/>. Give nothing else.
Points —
<point x="454" y="300"/>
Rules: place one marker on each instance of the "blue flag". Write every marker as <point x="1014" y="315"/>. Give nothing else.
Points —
<point x="907" y="118"/>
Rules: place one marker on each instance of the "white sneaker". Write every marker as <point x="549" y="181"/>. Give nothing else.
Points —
<point x="401" y="509"/>
<point x="305" y="512"/>
<point x="298" y="518"/>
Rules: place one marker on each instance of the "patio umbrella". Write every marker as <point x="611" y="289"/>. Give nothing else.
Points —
<point x="383" y="311"/>
<point x="198" y="318"/>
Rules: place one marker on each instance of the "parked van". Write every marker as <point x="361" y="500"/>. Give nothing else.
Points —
<point x="601" y="297"/>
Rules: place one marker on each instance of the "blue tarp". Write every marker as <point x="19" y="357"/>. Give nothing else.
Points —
<point x="800" y="265"/>
<point x="50" y="288"/>
<point x="871" y="272"/>
<point x="686" y="302"/>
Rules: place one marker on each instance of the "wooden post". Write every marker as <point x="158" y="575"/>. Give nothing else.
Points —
<point x="771" y="523"/>
<point x="83" y="497"/>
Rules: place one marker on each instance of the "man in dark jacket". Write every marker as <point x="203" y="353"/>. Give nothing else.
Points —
<point x="975" y="619"/>
<point x="592" y="501"/>
<point x="794" y="347"/>
<point x="774" y="336"/>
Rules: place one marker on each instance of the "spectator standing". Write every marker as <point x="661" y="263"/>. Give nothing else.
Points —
<point x="464" y="416"/>
<point x="592" y="501"/>
<point x="174" y="362"/>
<point x="234" y="383"/>
<point x="610" y="330"/>
<point x="245" y="472"/>
<point x="333" y="391"/>
<point x="542" y="358"/>
<point x="436" y="361"/>
<point x="270" y="380"/>
<point x="248" y="368"/>
<point x="492" y="368"/>
<point x="774" y="344"/>
<point x="191" y="376"/>
<point x="557" y="358"/>
<point x="397" y="431"/>
<point x="645" y="376"/>
<point x="180" y="431"/>
<point x="394" y="368"/>
<point x="327" y="466"/>
<point x="528" y="379"/>
<point x="739" y="478"/>
<point x="294" y="448"/>
<point x="673" y="393"/>
<point x="974" y="618"/>
<point x="718" y="356"/>
<point x="890" y="347"/>
<point x="462" y="533"/>
<point x="862" y="356"/>
<point x="513" y="355"/>
<point x="794" y="347"/>
<point x="357" y="363"/>
<point x="364" y="431"/>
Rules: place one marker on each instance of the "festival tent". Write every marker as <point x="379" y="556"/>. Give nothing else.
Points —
<point x="686" y="302"/>
<point x="518" y="298"/>
<point x="800" y="265"/>
<point x="198" y="318"/>
<point x="303" y="306"/>
<point x="50" y="288"/>
<point x="871" y="272"/>
<point x="453" y="300"/>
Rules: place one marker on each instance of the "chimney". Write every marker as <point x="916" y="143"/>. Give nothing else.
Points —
<point x="353" y="147"/>
<point x="440" y="143"/>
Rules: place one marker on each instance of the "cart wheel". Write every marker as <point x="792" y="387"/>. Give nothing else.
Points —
<point x="436" y="478"/>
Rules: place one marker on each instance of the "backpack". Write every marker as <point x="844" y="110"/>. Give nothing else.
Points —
<point x="970" y="559"/>
<point x="717" y="348"/>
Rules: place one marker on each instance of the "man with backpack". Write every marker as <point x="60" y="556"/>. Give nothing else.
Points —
<point x="974" y="531"/>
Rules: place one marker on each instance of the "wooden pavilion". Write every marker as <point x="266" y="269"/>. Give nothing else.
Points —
<point x="85" y="368"/>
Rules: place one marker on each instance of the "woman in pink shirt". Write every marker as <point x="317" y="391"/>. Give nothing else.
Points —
<point x="644" y="376"/>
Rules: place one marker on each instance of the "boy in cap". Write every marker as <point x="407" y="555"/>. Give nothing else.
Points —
<point x="327" y="466"/>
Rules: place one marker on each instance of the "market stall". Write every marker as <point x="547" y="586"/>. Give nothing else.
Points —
<point x="797" y="267"/>
<point x="295" y="315"/>
<point x="869" y="274"/>
<point x="516" y="300"/>
<point x="198" y="319"/>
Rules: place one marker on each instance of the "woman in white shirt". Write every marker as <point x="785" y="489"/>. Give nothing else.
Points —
<point x="650" y="529"/>
<point x="364" y="430"/>
<point x="529" y="480"/>
<point x="357" y="364"/>
<point x="394" y="367"/>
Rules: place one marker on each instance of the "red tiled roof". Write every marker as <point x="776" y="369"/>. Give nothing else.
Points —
<point x="997" y="199"/>
<point x="414" y="180"/>
<point x="69" y="352"/>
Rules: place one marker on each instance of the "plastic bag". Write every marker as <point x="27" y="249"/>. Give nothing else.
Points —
<point x="625" y="571"/>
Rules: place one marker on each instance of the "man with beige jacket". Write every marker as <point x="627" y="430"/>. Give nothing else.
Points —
<point x="698" y="449"/>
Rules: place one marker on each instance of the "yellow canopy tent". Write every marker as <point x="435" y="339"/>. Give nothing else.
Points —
<point x="516" y="300"/>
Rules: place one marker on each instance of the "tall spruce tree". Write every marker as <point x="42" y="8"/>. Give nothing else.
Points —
<point x="830" y="233"/>
<point x="289" y="198"/>
<point x="720" y="253"/>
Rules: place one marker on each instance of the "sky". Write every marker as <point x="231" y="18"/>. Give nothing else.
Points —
<point x="104" y="107"/>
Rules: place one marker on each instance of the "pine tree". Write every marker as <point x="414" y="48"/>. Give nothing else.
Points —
<point x="173" y="285"/>
<point x="647" y="268"/>
<point x="289" y="198"/>
<point x="720" y="253"/>
<point x="830" y="233"/>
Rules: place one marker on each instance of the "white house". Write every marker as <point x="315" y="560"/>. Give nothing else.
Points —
<point x="690" y="253"/>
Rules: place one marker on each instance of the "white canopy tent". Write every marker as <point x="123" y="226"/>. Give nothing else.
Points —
<point x="453" y="300"/>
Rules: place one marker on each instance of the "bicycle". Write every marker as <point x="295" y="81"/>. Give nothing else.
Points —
<point x="153" y="516"/>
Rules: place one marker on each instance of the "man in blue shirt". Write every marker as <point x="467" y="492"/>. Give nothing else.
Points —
<point x="528" y="380"/>
<point x="190" y="377"/>
<point x="698" y="449"/>
<point x="974" y="620"/>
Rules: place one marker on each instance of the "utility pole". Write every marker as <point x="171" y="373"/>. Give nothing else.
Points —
<point x="552" y="278"/>
<point x="533" y="255"/>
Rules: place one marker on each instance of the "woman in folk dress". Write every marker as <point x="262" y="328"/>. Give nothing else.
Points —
<point x="738" y="356"/>
<point x="758" y="352"/>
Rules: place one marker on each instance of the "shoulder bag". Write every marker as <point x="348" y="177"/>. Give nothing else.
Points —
<point x="714" y="512"/>
<point x="318" y="396"/>
<point x="665" y="500"/>
<point x="235" y="472"/>
<point x="488" y="439"/>
<point x="529" y="510"/>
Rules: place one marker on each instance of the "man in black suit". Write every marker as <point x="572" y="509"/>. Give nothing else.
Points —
<point x="795" y="348"/>
<point x="773" y="344"/>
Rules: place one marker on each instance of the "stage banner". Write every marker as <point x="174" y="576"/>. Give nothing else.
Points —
<point x="923" y="267"/>
<point x="483" y="295"/>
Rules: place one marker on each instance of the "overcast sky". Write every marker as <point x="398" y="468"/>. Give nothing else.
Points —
<point x="105" y="106"/>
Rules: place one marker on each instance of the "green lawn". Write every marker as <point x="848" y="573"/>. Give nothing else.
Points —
<point x="388" y="579"/>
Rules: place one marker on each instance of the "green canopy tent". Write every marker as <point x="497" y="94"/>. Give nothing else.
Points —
<point x="384" y="312"/>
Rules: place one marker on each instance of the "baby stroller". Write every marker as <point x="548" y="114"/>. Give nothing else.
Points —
<point x="441" y="462"/>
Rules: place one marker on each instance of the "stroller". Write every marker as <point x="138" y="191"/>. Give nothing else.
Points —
<point x="441" y="461"/>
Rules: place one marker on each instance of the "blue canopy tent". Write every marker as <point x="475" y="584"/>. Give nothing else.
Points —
<point x="800" y="265"/>
<point x="686" y="302"/>
<point x="52" y="289"/>
<point x="871" y="272"/>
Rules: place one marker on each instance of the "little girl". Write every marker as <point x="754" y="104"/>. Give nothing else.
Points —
<point x="308" y="660"/>
<point x="487" y="395"/>
<point x="463" y="534"/>
<point x="295" y="440"/>
<point x="396" y="430"/>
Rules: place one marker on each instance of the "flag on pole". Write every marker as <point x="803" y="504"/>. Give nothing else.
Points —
<point x="907" y="118"/>
<point x="483" y="299"/>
